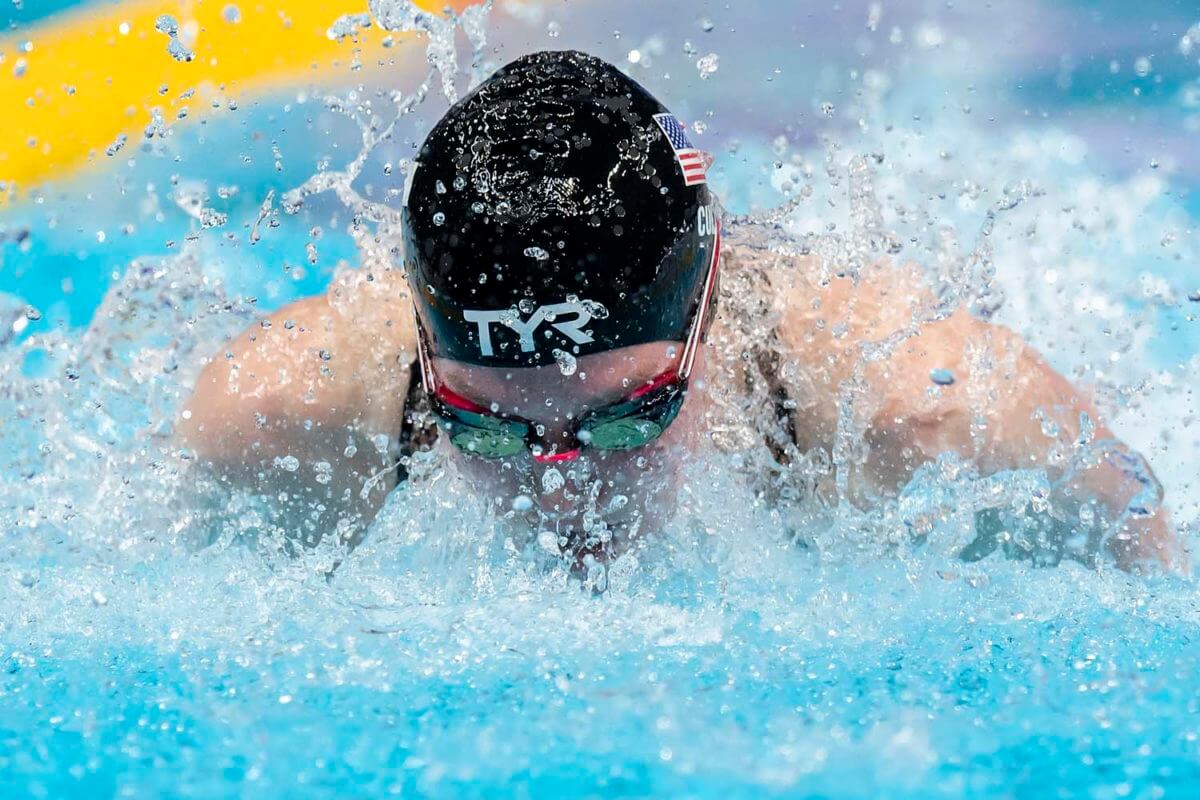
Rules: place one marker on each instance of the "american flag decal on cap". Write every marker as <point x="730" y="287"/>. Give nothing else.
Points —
<point x="691" y="160"/>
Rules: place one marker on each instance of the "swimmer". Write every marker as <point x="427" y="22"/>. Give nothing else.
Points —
<point x="556" y="316"/>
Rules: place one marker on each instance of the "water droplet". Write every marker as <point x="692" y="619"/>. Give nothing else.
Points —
<point x="553" y="29"/>
<point x="548" y="541"/>
<point x="231" y="14"/>
<point x="596" y="309"/>
<point x="566" y="362"/>
<point x="537" y="253"/>
<point x="942" y="377"/>
<point x="706" y="24"/>
<point x="552" y="480"/>
<point x="287" y="463"/>
<point x="179" y="52"/>
<point x="522" y="502"/>
<point x="1194" y="296"/>
<point x="597" y="578"/>
<point x="874" y="14"/>
<point x="929" y="35"/>
<point x="347" y="26"/>
<point x="212" y="219"/>
<point x="166" y="24"/>
<point x="439" y="218"/>
<point x="708" y="64"/>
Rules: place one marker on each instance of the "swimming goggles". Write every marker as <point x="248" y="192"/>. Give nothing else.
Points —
<point x="627" y="424"/>
<point x="632" y="422"/>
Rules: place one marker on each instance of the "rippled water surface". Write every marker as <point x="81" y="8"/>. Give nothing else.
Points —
<point x="149" y="645"/>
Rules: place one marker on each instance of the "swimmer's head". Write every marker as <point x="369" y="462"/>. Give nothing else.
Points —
<point x="558" y="209"/>
<point x="561" y="245"/>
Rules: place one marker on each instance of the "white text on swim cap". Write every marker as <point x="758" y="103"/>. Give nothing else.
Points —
<point x="706" y="221"/>
<point x="571" y="328"/>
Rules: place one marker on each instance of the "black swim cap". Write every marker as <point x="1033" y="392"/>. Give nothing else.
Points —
<point x="559" y="206"/>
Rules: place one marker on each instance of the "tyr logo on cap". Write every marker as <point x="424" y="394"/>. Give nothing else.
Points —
<point x="571" y="327"/>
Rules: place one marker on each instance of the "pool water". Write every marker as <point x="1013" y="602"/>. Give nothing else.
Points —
<point x="152" y="645"/>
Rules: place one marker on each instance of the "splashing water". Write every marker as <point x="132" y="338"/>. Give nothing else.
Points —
<point x="169" y="27"/>
<point x="774" y="637"/>
<point x="406" y="15"/>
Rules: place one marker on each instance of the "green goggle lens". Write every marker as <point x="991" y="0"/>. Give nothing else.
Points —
<point x="624" y="434"/>
<point x="501" y="443"/>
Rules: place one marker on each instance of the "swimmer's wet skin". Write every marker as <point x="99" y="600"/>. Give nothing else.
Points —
<point x="562" y="253"/>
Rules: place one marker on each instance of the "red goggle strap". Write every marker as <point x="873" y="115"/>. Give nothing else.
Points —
<point x="657" y="382"/>
<point x="456" y="400"/>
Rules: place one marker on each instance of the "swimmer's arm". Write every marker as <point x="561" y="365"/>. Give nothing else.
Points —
<point x="1009" y="409"/>
<point x="990" y="414"/>
<point x="320" y="381"/>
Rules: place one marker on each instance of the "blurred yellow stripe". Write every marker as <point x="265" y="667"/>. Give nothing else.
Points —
<point x="93" y="75"/>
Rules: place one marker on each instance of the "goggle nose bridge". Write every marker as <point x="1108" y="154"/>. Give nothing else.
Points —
<point x="557" y="458"/>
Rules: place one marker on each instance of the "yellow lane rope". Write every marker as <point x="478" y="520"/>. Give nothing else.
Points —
<point x="87" y="77"/>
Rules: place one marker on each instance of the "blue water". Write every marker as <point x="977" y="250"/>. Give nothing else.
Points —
<point x="733" y="662"/>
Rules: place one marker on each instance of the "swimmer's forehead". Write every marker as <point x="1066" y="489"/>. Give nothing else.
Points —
<point x="598" y="378"/>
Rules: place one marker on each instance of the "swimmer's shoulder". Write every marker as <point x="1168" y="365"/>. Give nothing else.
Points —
<point x="377" y="341"/>
<point x="821" y="313"/>
<point x="377" y="309"/>
<point x="822" y="305"/>
<point x="323" y="364"/>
